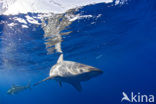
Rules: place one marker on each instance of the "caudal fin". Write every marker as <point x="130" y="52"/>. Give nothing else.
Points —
<point x="42" y="81"/>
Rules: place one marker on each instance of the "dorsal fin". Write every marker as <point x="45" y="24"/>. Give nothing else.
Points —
<point x="60" y="59"/>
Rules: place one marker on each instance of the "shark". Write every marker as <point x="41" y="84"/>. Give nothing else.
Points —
<point x="71" y="72"/>
<point x="16" y="89"/>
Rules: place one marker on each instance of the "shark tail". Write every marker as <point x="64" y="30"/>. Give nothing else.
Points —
<point x="42" y="81"/>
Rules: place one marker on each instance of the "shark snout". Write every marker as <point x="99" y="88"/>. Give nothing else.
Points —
<point x="96" y="70"/>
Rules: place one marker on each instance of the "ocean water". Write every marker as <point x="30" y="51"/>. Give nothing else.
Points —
<point x="118" y="39"/>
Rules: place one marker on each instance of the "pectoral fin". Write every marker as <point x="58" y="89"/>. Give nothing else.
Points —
<point x="77" y="86"/>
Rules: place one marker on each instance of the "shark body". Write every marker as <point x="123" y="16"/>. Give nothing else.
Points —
<point x="16" y="89"/>
<point x="71" y="72"/>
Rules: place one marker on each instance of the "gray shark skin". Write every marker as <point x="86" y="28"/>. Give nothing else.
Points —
<point x="71" y="72"/>
<point x="16" y="89"/>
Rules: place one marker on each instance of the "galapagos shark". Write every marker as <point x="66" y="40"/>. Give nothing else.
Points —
<point x="16" y="89"/>
<point x="71" y="72"/>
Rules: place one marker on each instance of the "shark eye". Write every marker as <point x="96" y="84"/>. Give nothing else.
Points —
<point x="81" y="70"/>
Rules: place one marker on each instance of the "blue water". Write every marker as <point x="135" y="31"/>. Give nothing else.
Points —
<point x="121" y="42"/>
